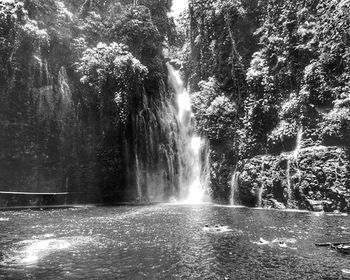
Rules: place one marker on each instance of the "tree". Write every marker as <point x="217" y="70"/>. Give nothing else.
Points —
<point x="215" y="113"/>
<point x="114" y="72"/>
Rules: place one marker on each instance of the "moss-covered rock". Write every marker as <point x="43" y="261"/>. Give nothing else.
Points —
<point x="317" y="173"/>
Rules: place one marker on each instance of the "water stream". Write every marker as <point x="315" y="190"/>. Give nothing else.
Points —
<point x="153" y="151"/>
<point x="299" y="142"/>
<point x="294" y="158"/>
<point x="259" y="196"/>
<point x="289" y="183"/>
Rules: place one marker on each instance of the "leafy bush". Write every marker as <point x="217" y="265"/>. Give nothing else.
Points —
<point x="11" y="11"/>
<point x="293" y="107"/>
<point x="316" y="84"/>
<point x="104" y="62"/>
<point x="12" y="14"/>
<point x="336" y="127"/>
<point x="259" y="118"/>
<point x="215" y="112"/>
<point x="136" y="29"/>
<point x="282" y="138"/>
<point x="112" y="67"/>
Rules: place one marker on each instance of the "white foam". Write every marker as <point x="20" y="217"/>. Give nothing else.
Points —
<point x="37" y="249"/>
<point x="217" y="229"/>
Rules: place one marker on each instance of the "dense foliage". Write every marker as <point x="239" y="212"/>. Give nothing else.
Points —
<point x="75" y="76"/>
<point x="114" y="67"/>
<point x="282" y="65"/>
<point x="83" y="91"/>
<point x="215" y="113"/>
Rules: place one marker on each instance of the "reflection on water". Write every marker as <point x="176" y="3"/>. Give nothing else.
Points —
<point x="40" y="248"/>
<point x="170" y="242"/>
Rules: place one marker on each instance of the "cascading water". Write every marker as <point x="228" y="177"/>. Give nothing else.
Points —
<point x="294" y="157"/>
<point x="261" y="188"/>
<point x="63" y="85"/>
<point x="138" y="180"/>
<point x="193" y="155"/>
<point x="297" y="149"/>
<point x="170" y="162"/>
<point x="298" y="143"/>
<point x="289" y="183"/>
<point x="234" y="188"/>
<point x="155" y="169"/>
<point x="259" y="197"/>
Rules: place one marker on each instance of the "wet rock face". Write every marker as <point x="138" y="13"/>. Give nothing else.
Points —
<point x="317" y="178"/>
<point x="52" y="126"/>
<point x="279" y="87"/>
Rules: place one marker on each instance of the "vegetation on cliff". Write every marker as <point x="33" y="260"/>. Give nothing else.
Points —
<point x="75" y="78"/>
<point x="283" y="66"/>
<point x="85" y="105"/>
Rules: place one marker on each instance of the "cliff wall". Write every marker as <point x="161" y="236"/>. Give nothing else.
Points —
<point x="271" y="69"/>
<point x="62" y="132"/>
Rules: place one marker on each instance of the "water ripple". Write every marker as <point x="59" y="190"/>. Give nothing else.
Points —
<point x="170" y="242"/>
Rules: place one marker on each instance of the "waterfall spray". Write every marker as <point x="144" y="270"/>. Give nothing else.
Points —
<point x="294" y="157"/>
<point x="259" y="191"/>
<point x="234" y="188"/>
<point x="289" y="184"/>
<point x="138" y="179"/>
<point x="298" y="142"/>
<point x="193" y="164"/>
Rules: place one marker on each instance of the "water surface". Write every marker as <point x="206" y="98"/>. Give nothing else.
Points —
<point x="170" y="242"/>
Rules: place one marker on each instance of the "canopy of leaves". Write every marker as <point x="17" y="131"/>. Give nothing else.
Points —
<point x="215" y="113"/>
<point x="12" y="14"/>
<point x="113" y="68"/>
<point x="111" y="62"/>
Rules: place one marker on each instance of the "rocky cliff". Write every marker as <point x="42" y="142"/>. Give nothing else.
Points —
<point x="261" y="73"/>
<point x="86" y="108"/>
<point x="317" y="176"/>
<point x="66" y="124"/>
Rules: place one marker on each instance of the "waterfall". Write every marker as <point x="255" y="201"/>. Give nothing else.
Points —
<point x="261" y="188"/>
<point x="65" y="94"/>
<point x="154" y="171"/>
<point x="138" y="179"/>
<point x="337" y="166"/>
<point x="193" y="154"/>
<point x="259" y="196"/>
<point x="294" y="157"/>
<point x="297" y="149"/>
<point x="298" y="142"/>
<point x="234" y="188"/>
<point x="63" y="86"/>
<point x="45" y="83"/>
<point x="289" y="184"/>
